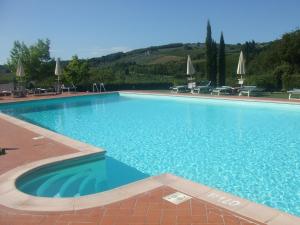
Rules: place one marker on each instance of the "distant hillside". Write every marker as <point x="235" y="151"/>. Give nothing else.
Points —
<point x="266" y="63"/>
<point x="166" y="62"/>
<point x="159" y="54"/>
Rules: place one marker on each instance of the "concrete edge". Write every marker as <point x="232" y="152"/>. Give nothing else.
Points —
<point x="80" y="146"/>
<point x="214" y="97"/>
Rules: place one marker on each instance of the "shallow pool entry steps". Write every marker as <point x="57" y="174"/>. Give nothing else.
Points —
<point x="78" y="177"/>
<point x="177" y="198"/>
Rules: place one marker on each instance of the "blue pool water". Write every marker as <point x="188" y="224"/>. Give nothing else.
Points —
<point x="249" y="149"/>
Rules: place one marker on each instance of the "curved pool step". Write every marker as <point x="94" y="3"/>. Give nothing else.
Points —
<point x="87" y="186"/>
<point x="70" y="188"/>
<point x="32" y="185"/>
<point x="51" y="186"/>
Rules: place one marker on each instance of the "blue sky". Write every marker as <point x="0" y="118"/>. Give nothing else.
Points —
<point x="91" y="28"/>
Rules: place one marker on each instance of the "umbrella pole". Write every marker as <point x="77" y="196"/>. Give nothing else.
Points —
<point x="58" y="84"/>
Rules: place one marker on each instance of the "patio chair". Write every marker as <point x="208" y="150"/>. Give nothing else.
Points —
<point x="39" y="91"/>
<point x="179" y="89"/>
<point x="295" y="91"/>
<point x="250" y="91"/>
<point x="223" y="90"/>
<point x="68" y="89"/>
<point x="204" y="87"/>
<point x="6" y="89"/>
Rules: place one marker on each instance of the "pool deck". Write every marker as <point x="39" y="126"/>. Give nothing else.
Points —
<point x="141" y="202"/>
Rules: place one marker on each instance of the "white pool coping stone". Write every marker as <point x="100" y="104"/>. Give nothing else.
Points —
<point x="11" y="197"/>
<point x="214" y="97"/>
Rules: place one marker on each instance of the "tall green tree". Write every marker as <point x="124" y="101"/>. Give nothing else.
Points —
<point x="35" y="59"/>
<point x="77" y="71"/>
<point x="211" y="56"/>
<point x="214" y="62"/>
<point x="222" y="62"/>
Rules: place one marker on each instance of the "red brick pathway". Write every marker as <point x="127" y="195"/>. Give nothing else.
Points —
<point x="147" y="208"/>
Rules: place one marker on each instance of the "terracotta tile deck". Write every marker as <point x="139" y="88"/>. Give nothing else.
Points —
<point x="146" y="208"/>
<point x="6" y="99"/>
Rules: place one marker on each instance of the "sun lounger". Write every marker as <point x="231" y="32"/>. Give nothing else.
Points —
<point x="39" y="91"/>
<point x="191" y="85"/>
<point x="295" y="91"/>
<point x="44" y="91"/>
<point x="6" y="89"/>
<point x="204" y="87"/>
<point x="224" y="90"/>
<point x="250" y="90"/>
<point x="68" y="89"/>
<point x="179" y="89"/>
<point x="19" y="93"/>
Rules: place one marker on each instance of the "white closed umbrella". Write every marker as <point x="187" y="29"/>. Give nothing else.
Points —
<point x="58" y="70"/>
<point x="58" y="73"/>
<point x="20" y="69"/>
<point x="190" y="70"/>
<point x="241" y="70"/>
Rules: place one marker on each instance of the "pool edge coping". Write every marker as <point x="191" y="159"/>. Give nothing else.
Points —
<point x="213" y="97"/>
<point x="11" y="197"/>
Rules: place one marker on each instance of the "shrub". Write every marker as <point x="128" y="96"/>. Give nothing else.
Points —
<point x="290" y="81"/>
<point x="264" y="81"/>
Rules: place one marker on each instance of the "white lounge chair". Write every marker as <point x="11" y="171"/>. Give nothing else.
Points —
<point x="191" y="85"/>
<point x="203" y="87"/>
<point x="179" y="89"/>
<point x="250" y="90"/>
<point x="225" y="90"/>
<point x="68" y="89"/>
<point x="295" y="91"/>
<point x="6" y="89"/>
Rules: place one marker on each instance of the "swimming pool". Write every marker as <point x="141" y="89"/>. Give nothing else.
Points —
<point x="249" y="149"/>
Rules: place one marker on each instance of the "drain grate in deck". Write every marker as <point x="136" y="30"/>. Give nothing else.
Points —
<point x="177" y="198"/>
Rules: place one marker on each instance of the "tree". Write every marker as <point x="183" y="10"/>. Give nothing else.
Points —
<point x="214" y="63"/>
<point x="35" y="59"/>
<point x="76" y="71"/>
<point x="250" y="50"/>
<point x="222" y="62"/>
<point x="211" y="56"/>
<point x="19" y="51"/>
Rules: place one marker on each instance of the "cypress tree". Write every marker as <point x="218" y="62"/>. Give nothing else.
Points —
<point x="214" y="63"/>
<point x="222" y="62"/>
<point x="211" y="56"/>
<point x="208" y="44"/>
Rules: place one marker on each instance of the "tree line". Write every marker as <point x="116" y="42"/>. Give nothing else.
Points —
<point x="274" y="66"/>
<point x="215" y="59"/>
